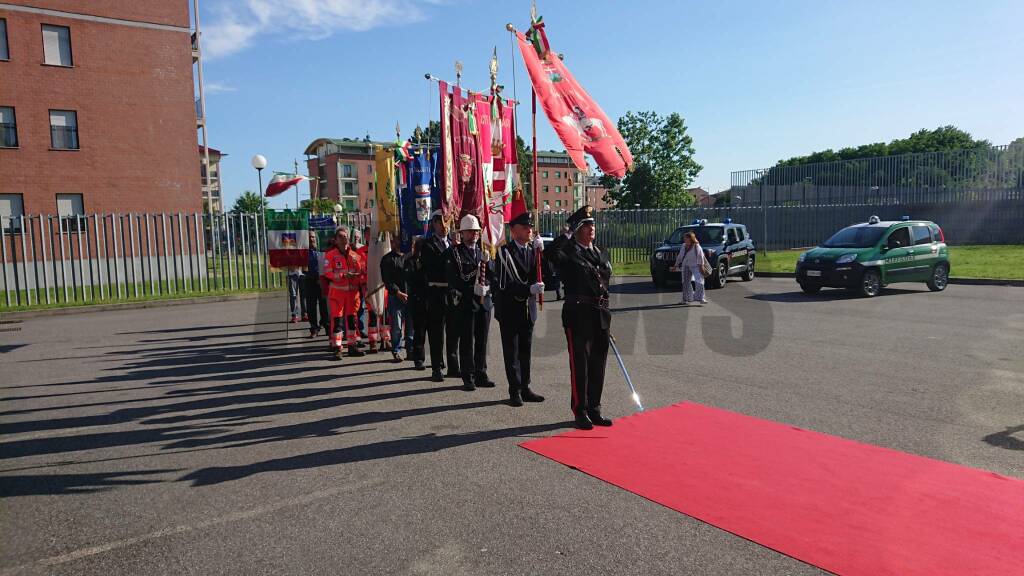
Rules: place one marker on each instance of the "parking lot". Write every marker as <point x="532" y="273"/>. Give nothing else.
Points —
<point x="208" y="439"/>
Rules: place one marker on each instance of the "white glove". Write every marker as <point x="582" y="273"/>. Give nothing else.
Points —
<point x="481" y="290"/>
<point x="537" y="288"/>
<point x="538" y="243"/>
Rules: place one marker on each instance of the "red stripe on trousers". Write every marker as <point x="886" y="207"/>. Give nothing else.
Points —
<point x="572" y="370"/>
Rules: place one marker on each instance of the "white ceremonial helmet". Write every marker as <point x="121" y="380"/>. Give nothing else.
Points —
<point x="469" y="222"/>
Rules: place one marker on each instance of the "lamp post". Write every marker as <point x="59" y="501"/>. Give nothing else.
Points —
<point x="259" y="163"/>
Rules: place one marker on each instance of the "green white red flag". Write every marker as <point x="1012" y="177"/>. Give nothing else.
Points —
<point x="288" y="238"/>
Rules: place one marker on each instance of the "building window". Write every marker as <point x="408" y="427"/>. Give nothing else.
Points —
<point x="11" y="207"/>
<point x="369" y="185"/>
<point x="558" y="174"/>
<point x="4" y="54"/>
<point x="63" y="130"/>
<point x="349" y="189"/>
<point x="69" y="206"/>
<point x="369" y="169"/>
<point x="8" y="128"/>
<point x="558" y="189"/>
<point x="558" y="203"/>
<point x="545" y="189"/>
<point x="350" y="205"/>
<point x="545" y="173"/>
<point x="346" y="171"/>
<point x="57" y="45"/>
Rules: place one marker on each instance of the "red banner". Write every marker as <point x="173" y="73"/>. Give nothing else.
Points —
<point x="580" y="123"/>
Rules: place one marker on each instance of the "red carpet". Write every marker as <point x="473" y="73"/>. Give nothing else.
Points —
<point x="843" y="506"/>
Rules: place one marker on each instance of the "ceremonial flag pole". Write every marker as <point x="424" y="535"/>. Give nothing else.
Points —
<point x="536" y="196"/>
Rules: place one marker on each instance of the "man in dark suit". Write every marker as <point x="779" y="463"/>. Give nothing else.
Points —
<point x="470" y="300"/>
<point x="585" y="270"/>
<point x="416" y="282"/>
<point x="515" y="305"/>
<point x="432" y="258"/>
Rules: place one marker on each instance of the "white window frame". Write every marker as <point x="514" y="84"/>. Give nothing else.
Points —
<point x="74" y="117"/>
<point x="60" y="58"/>
<point x="68" y="224"/>
<point x="11" y="204"/>
<point x="14" y="117"/>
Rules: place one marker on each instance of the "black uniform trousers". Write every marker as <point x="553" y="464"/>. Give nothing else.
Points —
<point x="588" y="353"/>
<point x="516" y="346"/>
<point x="441" y="332"/>
<point x="473" y="327"/>
<point x="316" y="304"/>
<point x="416" y="319"/>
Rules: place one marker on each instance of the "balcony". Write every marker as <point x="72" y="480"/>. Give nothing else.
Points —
<point x="195" y="47"/>
<point x="200" y="119"/>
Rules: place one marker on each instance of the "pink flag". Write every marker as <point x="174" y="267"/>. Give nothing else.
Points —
<point x="580" y="123"/>
<point x="449" y="199"/>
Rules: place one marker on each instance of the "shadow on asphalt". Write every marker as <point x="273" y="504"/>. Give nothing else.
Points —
<point x="374" y="451"/>
<point x="827" y="295"/>
<point x="1006" y="438"/>
<point x="50" y="484"/>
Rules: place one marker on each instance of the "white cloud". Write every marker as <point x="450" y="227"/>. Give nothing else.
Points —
<point x="218" y="88"/>
<point x="236" y="24"/>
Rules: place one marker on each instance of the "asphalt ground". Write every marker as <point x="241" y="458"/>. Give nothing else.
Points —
<point x="205" y="439"/>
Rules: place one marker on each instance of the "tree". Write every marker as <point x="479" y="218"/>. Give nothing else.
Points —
<point x="431" y="135"/>
<point x="524" y="156"/>
<point x="663" y="162"/>
<point x="249" y="203"/>
<point x="319" y="206"/>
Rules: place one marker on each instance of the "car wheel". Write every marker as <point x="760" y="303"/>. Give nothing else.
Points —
<point x="810" y="288"/>
<point x="721" y="275"/>
<point x="749" y="274"/>
<point x="658" y="279"/>
<point x="870" y="284"/>
<point x="940" y="278"/>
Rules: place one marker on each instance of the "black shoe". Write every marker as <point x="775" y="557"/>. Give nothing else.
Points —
<point x="482" y="381"/>
<point x="396" y="357"/>
<point x="597" y="419"/>
<point x="419" y="366"/>
<point x="529" y="396"/>
<point x="583" y="423"/>
<point x="468" y="386"/>
<point x="514" y="399"/>
<point x="356" y="352"/>
<point x="436" y="376"/>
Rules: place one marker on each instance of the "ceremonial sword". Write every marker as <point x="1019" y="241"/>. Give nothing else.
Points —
<point x="615" y="349"/>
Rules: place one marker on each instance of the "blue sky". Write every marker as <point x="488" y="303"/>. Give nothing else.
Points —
<point x="755" y="81"/>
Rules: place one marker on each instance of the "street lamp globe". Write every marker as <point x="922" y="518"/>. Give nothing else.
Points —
<point x="259" y="162"/>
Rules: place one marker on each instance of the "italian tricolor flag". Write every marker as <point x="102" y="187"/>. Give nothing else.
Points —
<point x="288" y="238"/>
<point x="283" y="181"/>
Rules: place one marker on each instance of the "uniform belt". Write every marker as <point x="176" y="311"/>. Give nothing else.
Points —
<point x="599" y="301"/>
<point x="345" y="288"/>
<point x="437" y="284"/>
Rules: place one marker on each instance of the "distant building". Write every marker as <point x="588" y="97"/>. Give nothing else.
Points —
<point x="701" y="197"/>
<point x="594" y="194"/>
<point x="213" y="191"/>
<point x="562" y="186"/>
<point x="97" y="107"/>
<point x="343" y="170"/>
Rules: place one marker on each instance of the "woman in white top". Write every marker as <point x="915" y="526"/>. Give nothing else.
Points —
<point x="690" y="260"/>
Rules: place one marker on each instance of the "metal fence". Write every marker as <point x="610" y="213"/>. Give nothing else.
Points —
<point x="47" y="259"/>
<point x="631" y="235"/>
<point x="987" y="173"/>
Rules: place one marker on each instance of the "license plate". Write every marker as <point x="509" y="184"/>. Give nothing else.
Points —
<point x="814" y="272"/>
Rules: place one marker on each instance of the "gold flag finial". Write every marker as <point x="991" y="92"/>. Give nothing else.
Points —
<point x="398" y="131"/>
<point x="494" y="65"/>
<point x="458" y="73"/>
<point x="533" y="11"/>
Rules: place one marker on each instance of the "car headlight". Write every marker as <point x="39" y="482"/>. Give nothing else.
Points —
<point x="802" y="257"/>
<point x="846" y="258"/>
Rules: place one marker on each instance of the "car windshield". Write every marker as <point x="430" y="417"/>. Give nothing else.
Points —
<point x="706" y="235"/>
<point x="855" y="237"/>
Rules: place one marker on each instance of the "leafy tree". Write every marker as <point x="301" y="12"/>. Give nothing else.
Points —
<point x="663" y="162"/>
<point x="524" y="156"/>
<point x="248" y="203"/>
<point x="319" y="206"/>
<point x="430" y="135"/>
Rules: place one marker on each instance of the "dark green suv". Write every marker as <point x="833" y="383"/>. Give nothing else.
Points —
<point x="866" y="257"/>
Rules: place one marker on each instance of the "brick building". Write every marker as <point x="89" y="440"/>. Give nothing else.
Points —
<point x="213" y="191"/>
<point x="561" y="185"/>
<point x="343" y="170"/>
<point x="97" y="107"/>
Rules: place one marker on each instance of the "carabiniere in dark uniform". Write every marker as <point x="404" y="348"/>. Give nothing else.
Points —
<point x="516" y="288"/>
<point x="585" y="270"/>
